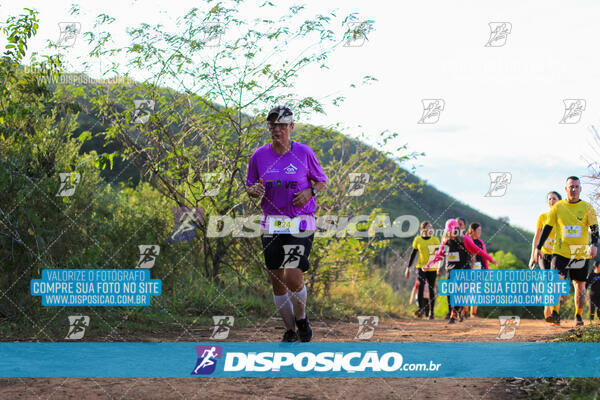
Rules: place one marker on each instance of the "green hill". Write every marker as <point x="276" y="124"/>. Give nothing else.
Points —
<point x="427" y="204"/>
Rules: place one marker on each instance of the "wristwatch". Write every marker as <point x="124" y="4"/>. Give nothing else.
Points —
<point x="313" y="191"/>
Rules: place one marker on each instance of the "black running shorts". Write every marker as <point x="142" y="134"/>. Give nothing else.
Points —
<point x="572" y="268"/>
<point x="284" y="250"/>
<point x="546" y="261"/>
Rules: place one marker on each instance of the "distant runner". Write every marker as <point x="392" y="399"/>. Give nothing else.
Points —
<point x="424" y="246"/>
<point x="573" y="219"/>
<point x="287" y="176"/>
<point x="593" y="286"/>
<point x="545" y="261"/>
<point x="413" y="296"/>
<point x="457" y="250"/>
<point x="477" y="261"/>
<point x="462" y="224"/>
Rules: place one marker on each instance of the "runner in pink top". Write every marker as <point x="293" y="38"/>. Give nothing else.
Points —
<point x="477" y="262"/>
<point x="466" y="242"/>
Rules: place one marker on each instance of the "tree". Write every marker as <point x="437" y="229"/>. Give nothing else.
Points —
<point x="206" y="108"/>
<point x="40" y="227"/>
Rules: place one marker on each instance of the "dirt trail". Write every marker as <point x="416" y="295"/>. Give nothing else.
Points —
<point x="396" y="330"/>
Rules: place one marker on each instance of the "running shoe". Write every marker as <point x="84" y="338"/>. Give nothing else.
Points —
<point x="418" y="314"/>
<point x="578" y="320"/>
<point x="452" y="321"/>
<point x="305" y="332"/>
<point x="550" y="319"/>
<point x="290" y="336"/>
<point x="447" y="316"/>
<point x="460" y="317"/>
<point x="431" y="316"/>
<point x="555" y="318"/>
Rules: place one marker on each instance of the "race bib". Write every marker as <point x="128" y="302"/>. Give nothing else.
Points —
<point x="284" y="225"/>
<point x="476" y="265"/>
<point x="572" y="231"/>
<point x="454" y="256"/>
<point x="549" y="244"/>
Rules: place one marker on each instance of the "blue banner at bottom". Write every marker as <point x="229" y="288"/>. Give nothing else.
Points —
<point x="324" y="359"/>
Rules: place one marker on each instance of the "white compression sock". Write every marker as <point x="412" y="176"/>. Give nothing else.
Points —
<point x="299" y="301"/>
<point x="285" y="309"/>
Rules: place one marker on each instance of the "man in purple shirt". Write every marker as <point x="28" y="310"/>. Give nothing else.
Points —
<point x="287" y="177"/>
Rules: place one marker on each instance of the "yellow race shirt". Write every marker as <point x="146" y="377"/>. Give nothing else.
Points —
<point x="549" y="243"/>
<point x="571" y="222"/>
<point x="427" y="249"/>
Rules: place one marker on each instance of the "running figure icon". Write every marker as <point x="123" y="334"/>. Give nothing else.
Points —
<point x="207" y="361"/>
<point x="292" y="256"/>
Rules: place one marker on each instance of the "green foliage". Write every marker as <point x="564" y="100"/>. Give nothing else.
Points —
<point x="589" y="333"/>
<point x="339" y="276"/>
<point x="38" y="228"/>
<point x="507" y="260"/>
<point x="18" y="31"/>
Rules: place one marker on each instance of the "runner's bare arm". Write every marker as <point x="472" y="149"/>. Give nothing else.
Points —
<point x="532" y="258"/>
<point x="545" y="233"/>
<point x="319" y="186"/>
<point x="413" y="256"/>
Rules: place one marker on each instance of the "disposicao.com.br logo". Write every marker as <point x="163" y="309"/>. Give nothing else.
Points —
<point x="305" y="363"/>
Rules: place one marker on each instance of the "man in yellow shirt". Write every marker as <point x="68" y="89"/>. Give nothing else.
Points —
<point x="425" y="246"/>
<point x="573" y="220"/>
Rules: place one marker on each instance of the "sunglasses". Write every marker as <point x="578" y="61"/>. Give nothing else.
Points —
<point x="272" y="125"/>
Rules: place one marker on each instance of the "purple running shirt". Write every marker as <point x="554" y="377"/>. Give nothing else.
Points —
<point x="284" y="175"/>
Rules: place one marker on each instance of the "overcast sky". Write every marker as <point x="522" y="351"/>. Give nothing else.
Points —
<point x="502" y="103"/>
